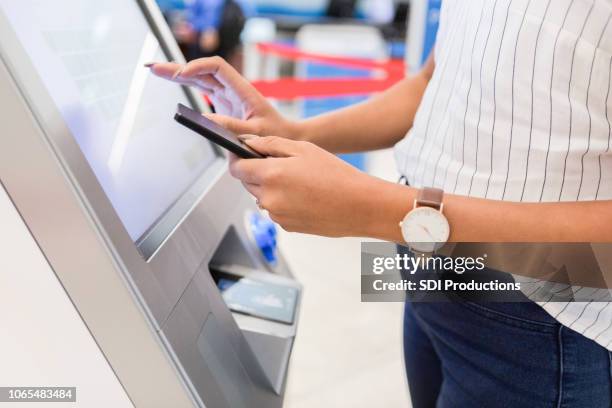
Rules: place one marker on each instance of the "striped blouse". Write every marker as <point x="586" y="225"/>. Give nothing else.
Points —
<point x="519" y="109"/>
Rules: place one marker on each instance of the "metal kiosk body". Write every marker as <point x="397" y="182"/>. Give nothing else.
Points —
<point x="124" y="213"/>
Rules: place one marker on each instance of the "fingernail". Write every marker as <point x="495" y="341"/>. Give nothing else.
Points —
<point x="177" y="73"/>
<point x="149" y="64"/>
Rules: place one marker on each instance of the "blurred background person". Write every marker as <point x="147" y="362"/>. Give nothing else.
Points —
<point x="374" y="11"/>
<point x="217" y="25"/>
<point x="204" y="28"/>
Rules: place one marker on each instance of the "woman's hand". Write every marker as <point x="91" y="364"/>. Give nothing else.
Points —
<point x="306" y="189"/>
<point x="239" y="106"/>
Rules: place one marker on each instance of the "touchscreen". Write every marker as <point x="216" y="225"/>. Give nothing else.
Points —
<point x="90" y="56"/>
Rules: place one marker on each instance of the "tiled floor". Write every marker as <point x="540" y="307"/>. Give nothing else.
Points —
<point x="347" y="353"/>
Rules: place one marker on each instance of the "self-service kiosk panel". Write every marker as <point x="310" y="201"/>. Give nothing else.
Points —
<point x="149" y="189"/>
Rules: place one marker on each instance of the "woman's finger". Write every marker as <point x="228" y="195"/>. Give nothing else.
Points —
<point x="171" y="71"/>
<point x="274" y="146"/>
<point x="248" y="170"/>
<point x="246" y="136"/>
<point x="222" y="71"/>
<point x="237" y="126"/>
<point x="208" y="81"/>
<point x="225" y="106"/>
<point x="214" y="66"/>
<point x="195" y="82"/>
<point x="165" y="69"/>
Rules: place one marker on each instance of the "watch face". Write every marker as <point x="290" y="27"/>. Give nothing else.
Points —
<point x="425" y="229"/>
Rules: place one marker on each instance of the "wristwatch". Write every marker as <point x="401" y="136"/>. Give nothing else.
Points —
<point x="425" y="228"/>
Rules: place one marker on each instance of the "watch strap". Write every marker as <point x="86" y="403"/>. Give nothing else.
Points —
<point x="430" y="197"/>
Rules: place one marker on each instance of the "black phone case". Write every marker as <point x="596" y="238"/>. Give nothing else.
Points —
<point x="238" y="150"/>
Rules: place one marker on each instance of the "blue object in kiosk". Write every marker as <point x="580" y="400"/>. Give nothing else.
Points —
<point x="264" y="234"/>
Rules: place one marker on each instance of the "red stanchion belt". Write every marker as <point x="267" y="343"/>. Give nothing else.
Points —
<point x="391" y="71"/>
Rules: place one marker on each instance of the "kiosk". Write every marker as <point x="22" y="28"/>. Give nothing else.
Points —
<point x="135" y="216"/>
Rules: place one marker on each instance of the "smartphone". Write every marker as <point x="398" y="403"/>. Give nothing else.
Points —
<point x="213" y="132"/>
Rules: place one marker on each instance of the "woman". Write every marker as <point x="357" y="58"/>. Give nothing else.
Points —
<point x="511" y="118"/>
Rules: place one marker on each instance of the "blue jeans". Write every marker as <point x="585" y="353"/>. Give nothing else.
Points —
<point x="494" y="355"/>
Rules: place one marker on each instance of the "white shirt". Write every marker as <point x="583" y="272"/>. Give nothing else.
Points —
<point x="520" y="109"/>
